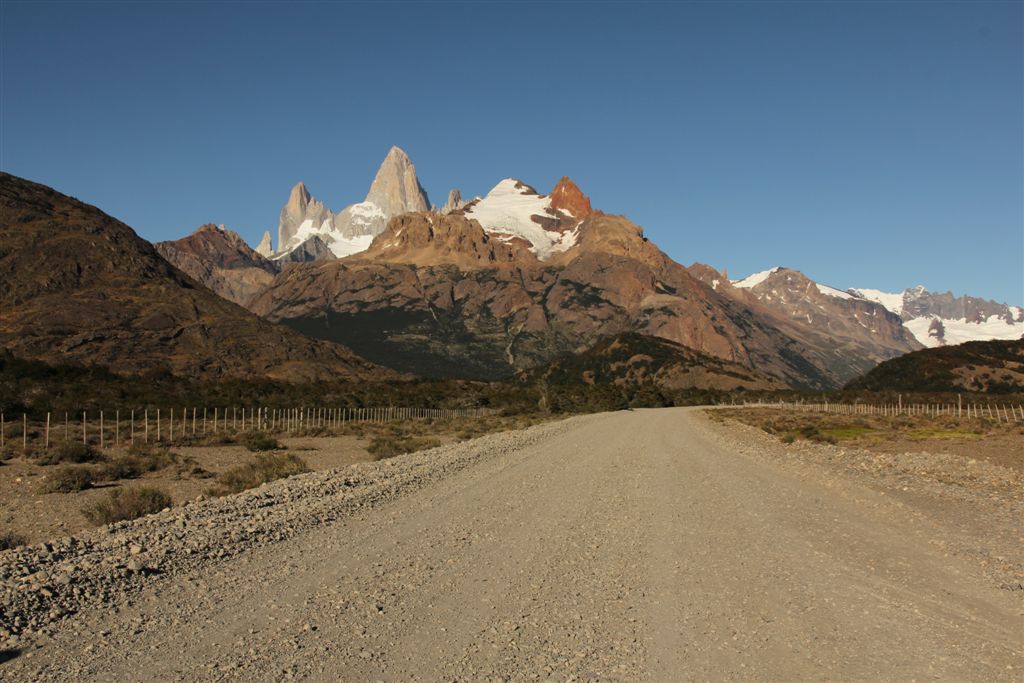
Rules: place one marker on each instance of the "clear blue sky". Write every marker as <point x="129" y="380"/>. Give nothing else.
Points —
<point x="867" y="144"/>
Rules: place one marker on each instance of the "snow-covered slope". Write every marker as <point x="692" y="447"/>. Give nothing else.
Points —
<point x="339" y="244"/>
<point x="893" y="302"/>
<point x="936" y="331"/>
<point x="755" y="279"/>
<point x="513" y="210"/>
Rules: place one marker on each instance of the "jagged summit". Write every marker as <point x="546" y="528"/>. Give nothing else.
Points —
<point x="454" y="202"/>
<point x="300" y="217"/>
<point x="567" y="196"/>
<point x="266" y="247"/>
<point x="395" y="190"/>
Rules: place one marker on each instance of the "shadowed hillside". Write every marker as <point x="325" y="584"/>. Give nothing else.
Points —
<point x="995" y="367"/>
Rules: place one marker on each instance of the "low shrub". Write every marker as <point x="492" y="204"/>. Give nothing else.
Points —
<point x="9" y="539"/>
<point x="383" y="447"/>
<point x="136" y="463"/>
<point x="67" y="479"/>
<point x="70" y="451"/>
<point x="265" y="468"/>
<point x="259" y="441"/>
<point x="125" y="504"/>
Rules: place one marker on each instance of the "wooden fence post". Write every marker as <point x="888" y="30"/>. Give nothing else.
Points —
<point x="47" y="441"/>
<point x="24" y="432"/>
<point x="1" y="430"/>
<point x="83" y="427"/>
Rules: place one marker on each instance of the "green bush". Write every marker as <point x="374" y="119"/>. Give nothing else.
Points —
<point x="125" y="504"/>
<point x="383" y="447"/>
<point x="259" y="441"/>
<point x="70" y="451"/>
<point x="67" y="479"/>
<point x="788" y="438"/>
<point x="265" y="468"/>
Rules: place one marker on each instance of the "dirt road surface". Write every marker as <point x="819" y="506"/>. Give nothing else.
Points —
<point x="627" y="546"/>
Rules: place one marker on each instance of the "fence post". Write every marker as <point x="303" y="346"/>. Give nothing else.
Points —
<point x="24" y="432"/>
<point x="83" y="427"/>
<point x="117" y="427"/>
<point x="1" y="430"/>
<point x="47" y="431"/>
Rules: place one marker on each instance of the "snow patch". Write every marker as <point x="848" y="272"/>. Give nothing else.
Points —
<point x="891" y="301"/>
<point x="832" y="291"/>
<point x="755" y="279"/>
<point x="346" y="246"/>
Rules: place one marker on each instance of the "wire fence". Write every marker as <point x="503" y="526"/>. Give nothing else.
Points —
<point x="999" y="412"/>
<point x="127" y="428"/>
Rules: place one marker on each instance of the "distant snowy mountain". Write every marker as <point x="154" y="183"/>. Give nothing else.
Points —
<point x="939" y="319"/>
<point x="933" y="319"/>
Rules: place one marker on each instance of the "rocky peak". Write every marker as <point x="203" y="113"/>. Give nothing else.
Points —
<point x="454" y="202"/>
<point x="395" y="189"/>
<point x="301" y="207"/>
<point x="567" y="196"/>
<point x="266" y="247"/>
<point x="298" y="199"/>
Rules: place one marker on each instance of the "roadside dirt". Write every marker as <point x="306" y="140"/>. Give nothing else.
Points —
<point x="647" y="545"/>
<point x="43" y="516"/>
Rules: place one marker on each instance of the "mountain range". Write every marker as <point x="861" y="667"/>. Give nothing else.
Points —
<point x="517" y="280"/>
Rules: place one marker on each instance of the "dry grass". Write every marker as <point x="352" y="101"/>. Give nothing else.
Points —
<point x="383" y="447"/>
<point x="69" y="452"/>
<point x="124" y="504"/>
<point x="259" y="441"/>
<point x="68" y="479"/>
<point x="265" y="468"/>
<point x="836" y="428"/>
<point x="977" y="438"/>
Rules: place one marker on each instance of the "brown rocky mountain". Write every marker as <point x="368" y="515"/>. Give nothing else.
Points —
<point x="633" y="360"/>
<point x="441" y="295"/>
<point x="79" y="286"/>
<point x="221" y="260"/>
<point x="849" y="335"/>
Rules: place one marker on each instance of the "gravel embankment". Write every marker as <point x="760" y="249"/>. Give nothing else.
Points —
<point x="42" y="584"/>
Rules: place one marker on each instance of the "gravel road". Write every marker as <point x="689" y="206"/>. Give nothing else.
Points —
<point x="646" y="545"/>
